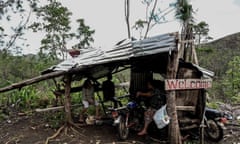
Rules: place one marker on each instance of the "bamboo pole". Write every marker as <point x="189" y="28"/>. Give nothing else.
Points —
<point x="54" y="108"/>
<point x="174" y="135"/>
<point x="21" y="84"/>
<point x="39" y="78"/>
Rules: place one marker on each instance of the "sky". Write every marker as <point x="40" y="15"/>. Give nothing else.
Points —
<point x="221" y="15"/>
<point x="106" y="17"/>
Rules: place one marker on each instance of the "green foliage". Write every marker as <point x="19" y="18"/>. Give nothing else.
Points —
<point x="213" y="105"/>
<point x="12" y="36"/>
<point x="56" y="24"/>
<point x="84" y="34"/>
<point x="54" y="20"/>
<point x="205" y="50"/>
<point x="17" y="68"/>
<point x="221" y="57"/>
<point x="25" y="98"/>
<point x="201" y="30"/>
<point x="214" y="59"/>
<point x="139" y="24"/>
<point x="154" y="16"/>
<point x="29" y="97"/>
<point x="14" y="6"/>
<point x="184" y="12"/>
<point x="232" y="80"/>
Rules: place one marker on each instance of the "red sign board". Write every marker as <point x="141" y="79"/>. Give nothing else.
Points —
<point x="181" y="84"/>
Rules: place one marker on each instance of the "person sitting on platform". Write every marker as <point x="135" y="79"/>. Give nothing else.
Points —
<point x="88" y="99"/>
<point x="108" y="89"/>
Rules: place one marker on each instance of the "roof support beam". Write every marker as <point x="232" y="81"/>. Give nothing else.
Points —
<point x="21" y="84"/>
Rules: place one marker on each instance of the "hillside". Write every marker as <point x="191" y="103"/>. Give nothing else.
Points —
<point x="216" y="54"/>
<point x="228" y="42"/>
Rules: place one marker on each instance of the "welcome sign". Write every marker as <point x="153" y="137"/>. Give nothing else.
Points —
<point x="181" y="84"/>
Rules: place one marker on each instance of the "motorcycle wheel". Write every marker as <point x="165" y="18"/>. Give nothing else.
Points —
<point x="123" y="130"/>
<point x="213" y="131"/>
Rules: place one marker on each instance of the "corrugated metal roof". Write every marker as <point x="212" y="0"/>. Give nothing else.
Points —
<point x="206" y="73"/>
<point x="91" y="59"/>
<point x="126" y="50"/>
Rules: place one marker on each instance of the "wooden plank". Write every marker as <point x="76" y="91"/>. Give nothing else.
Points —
<point x="189" y="121"/>
<point x="54" y="108"/>
<point x="190" y="127"/>
<point x="187" y="41"/>
<point x="186" y="108"/>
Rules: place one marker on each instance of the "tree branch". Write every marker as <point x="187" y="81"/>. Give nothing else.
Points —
<point x="18" y="32"/>
<point x="150" y="19"/>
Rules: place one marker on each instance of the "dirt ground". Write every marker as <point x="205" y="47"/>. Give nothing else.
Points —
<point x="33" y="129"/>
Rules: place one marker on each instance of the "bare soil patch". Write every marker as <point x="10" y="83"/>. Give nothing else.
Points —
<point x="33" y="129"/>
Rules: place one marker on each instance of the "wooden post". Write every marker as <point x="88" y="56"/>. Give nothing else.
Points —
<point x="67" y="102"/>
<point x="174" y="135"/>
<point x="195" y="59"/>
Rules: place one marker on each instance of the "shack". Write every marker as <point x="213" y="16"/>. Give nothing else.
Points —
<point x="144" y="58"/>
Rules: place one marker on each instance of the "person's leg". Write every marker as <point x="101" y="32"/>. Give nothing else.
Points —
<point x="84" y="110"/>
<point x="148" y="116"/>
<point x="144" y="130"/>
<point x="97" y="109"/>
<point x="146" y="119"/>
<point x="116" y="102"/>
<point x="97" y="112"/>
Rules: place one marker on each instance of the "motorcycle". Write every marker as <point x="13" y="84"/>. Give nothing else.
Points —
<point x="215" y="124"/>
<point x="129" y="117"/>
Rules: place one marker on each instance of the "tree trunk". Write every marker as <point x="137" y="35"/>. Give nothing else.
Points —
<point x="67" y="102"/>
<point x="127" y="13"/>
<point x="174" y="135"/>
